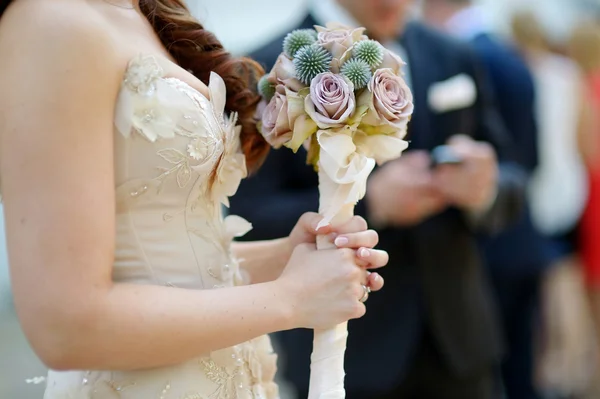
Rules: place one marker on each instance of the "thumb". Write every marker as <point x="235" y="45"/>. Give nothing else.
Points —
<point x="309" y="221"/>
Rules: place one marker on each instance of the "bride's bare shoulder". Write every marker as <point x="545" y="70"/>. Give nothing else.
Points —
<point x="44" y="31"/>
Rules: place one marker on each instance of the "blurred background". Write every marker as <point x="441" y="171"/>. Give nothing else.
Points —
<point x="260" y="21"/>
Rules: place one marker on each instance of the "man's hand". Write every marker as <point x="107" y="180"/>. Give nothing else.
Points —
<point x="471" y="185"/>
<point x="403" y="193"/>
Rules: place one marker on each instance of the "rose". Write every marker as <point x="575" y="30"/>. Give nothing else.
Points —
<point x="390" y="103"/>
<point x="331" y="101"/>
<point x="393" y="61"/>
<point x="275" y="122"/>
<point x="339" y="40"/>
<point x="284" y="72"/>
<point x="284" y="121"/>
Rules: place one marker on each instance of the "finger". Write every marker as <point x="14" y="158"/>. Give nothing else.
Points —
<point x="374" y="258"/>
<point x="368" y="239"/>
<point x="416" y="158"/>
<point x="354" y="225"/>
<point x="460" y="140"/>
<point x="375" y="282"/>
<point x="310" y="222"/>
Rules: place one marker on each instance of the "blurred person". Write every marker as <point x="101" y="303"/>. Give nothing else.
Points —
<point x="584" y="47"/>
<point x="120" y="259"/>
<point x="434" y="333"/>
<point x="519" y="256"/>
<point x="557" y="194"/>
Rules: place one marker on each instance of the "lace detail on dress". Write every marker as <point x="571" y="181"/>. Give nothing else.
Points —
<point x="158" y="107"/>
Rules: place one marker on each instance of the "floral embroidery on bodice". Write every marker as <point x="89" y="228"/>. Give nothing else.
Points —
<point x="177" y="159"/>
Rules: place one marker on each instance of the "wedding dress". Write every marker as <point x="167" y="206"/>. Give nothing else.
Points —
<point x="177" y="160"/>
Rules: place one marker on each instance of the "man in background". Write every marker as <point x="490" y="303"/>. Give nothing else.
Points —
<point x="518" y="257"/>
<point x="433" y="332"/>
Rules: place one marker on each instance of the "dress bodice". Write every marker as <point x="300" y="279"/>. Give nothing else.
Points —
<point x="177" y="159"/>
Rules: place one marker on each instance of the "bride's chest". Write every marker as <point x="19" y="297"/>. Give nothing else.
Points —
<point x="171" y="141"/>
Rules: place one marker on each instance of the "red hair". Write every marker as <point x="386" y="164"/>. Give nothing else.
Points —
<point x="200" y="52"/>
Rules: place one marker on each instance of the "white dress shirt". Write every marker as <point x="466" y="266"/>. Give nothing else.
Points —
<point x="468" y="23"/>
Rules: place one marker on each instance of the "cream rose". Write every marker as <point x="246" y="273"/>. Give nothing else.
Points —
<point x="275" y="123"/>
<point x="339" y="40"/>
<point x="284" y="72"/>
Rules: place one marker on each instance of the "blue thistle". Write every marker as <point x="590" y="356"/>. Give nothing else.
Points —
<point x="297" y="39"/>
<point x="311" y="61"/>
<point x="370" y="52"/>
<point x="358" y="72"/>
<point x="266" y="88"/>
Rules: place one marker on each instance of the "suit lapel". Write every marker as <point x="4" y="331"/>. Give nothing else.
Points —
<point x="422" y="64"/>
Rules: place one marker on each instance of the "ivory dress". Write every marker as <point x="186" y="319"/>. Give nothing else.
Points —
<point x="177" y="160"/>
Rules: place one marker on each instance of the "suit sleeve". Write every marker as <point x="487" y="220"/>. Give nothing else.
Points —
<point x="274" y="199"/>
<point x="510" y="199"/>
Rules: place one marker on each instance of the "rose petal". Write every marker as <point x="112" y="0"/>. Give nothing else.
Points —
<point x="304" y="127"/>
<point x="382" y="148"/>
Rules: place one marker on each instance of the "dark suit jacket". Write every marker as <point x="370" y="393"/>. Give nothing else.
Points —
<point x="520" y="251"/>
<point x="435" y="279"/>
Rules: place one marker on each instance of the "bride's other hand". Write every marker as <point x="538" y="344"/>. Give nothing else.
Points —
<point x="355" y="234"/>
<point x="324" y="287"/>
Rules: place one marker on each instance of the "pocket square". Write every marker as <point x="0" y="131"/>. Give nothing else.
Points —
<point x="455" y="93"/>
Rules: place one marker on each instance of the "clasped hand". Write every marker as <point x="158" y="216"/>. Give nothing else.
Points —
<point x="407" y="191"/>
<point x="326" y="286"/>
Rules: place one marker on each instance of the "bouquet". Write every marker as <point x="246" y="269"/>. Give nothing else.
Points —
<point x="341" y="96"/>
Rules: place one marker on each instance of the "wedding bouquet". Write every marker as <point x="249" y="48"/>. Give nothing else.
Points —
<point x="341" y="96"/>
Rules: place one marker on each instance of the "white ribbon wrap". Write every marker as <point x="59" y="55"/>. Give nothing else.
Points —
<point x="346" y="160"/>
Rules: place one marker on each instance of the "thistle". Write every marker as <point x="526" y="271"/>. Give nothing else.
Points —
<point x="297" y="39"/>
<point x="311" y="61"/>
<point x="370" y="52"/>
<point x="266" y="88"/>
<point x="358" y="72"/>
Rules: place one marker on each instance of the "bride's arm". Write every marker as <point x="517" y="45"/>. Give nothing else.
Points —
<point x="263" y="260"/>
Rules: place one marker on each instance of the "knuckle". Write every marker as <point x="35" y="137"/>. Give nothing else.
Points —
<point x="359" y="310"/>
<point x="360" y="223"/>
<point x="347" y="254"/>
<point x="373" y="236"/>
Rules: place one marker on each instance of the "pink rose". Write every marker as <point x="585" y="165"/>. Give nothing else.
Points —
<point x="390" y="102"/>
<point x="275" y="123"/>
<point x="284" y="72"/>
<point x="331" y="101"/>
<point x="393" y="61"/>
<point x="284" y="121"/>
<point x="339" y="40"/>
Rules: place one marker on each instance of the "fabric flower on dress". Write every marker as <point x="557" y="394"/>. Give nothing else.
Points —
<point x="232" y="166"/>
<point x="148" y="104"/>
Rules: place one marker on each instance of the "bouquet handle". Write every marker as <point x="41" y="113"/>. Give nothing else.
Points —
<point x="329" y="346"/>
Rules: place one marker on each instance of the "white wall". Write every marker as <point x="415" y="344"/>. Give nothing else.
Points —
<point x="243" y="25"/>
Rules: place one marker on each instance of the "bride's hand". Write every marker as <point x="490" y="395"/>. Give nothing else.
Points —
<point x="324" y="287"/>
<point x="355" y="234"/>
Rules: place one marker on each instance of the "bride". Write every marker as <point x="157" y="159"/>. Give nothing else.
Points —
<point x="115" y="161"/>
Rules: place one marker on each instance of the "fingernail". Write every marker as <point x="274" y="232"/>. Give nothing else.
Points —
<point x="376" y="277"/>
<point x="364" y="253"/>
<point x="341" y="241"/>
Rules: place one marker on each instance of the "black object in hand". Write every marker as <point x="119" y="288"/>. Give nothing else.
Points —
<point x="444" y="155"/>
